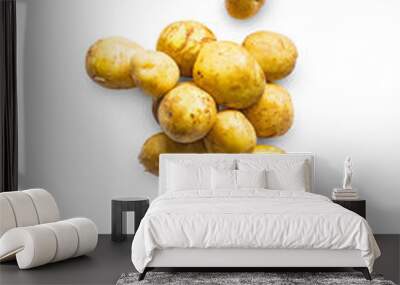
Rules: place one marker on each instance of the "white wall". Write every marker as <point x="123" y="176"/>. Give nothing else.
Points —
<point x="81" y="141"/>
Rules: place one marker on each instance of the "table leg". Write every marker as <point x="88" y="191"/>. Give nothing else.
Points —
<point x="118" y="222"/>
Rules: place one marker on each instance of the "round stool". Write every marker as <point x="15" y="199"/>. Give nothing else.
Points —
<point x="119" y="207"/>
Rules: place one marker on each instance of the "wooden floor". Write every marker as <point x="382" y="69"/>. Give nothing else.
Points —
<point x="110" y="260"/>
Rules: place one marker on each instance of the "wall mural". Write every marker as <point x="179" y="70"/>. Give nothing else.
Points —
<point x="231" y="99"/>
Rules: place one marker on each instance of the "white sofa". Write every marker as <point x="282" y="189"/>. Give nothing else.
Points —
<point x="32" y="233"/>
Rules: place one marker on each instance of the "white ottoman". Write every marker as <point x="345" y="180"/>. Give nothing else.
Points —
<point x="31" y="232"/>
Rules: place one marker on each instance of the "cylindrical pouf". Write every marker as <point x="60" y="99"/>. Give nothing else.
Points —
<point x="7" y="218"/>
<point x="33" y="246"/>
<point x="23" y="208"/>
<point x="87" y="233"/>
<point x="37" y="245"/>
<point x="67" y="240"/>
<point x="46" y="206"/>
<point x="28" y="208"/>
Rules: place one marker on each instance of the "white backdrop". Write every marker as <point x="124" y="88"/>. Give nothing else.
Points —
<point x="81" y="141"/>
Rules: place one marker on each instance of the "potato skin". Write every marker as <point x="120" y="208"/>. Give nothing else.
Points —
<point x="154" y="108"/>
<point x="230" y="74"/>
<point x="108" y="62"/>
<point x="187" y="113"/>
<point x="182" y="41"/>
<point x="155" y="72"/>
<point x="243" y="9"/>
<point x="231" y="133"/>
<point x="273" y="114"/>
<point x="275" y="53"/>
<point x="161" y="143"/>
<point x="263" y="148"/>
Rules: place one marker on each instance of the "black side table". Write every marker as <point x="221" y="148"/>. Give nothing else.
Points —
<point x="357" y="206"/>
<point x="119" y="207"/>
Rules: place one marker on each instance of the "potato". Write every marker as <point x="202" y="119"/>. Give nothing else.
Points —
<point x="187" y="113"/>
<point x="154" y="108"/>
<point x="161" y="143"/>
<point x="155" y="72"/>
<point x="273" y="114"/>
<point x="182" y="41"/>
<point x="231" y="133"/>
<point x="229" y="73"/>
<point x="275" y="53"/>
<point x="108" y="62"/>
<point x="263" y="148"/>
<point x="243" y="9"/>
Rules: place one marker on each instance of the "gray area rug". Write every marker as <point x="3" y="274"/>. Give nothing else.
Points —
<point x="269" y="278"/>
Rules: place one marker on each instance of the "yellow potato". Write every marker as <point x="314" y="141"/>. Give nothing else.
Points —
<point x="263" y="148"/>
<point x="275" y="53"/>
<point x="273" y="114"/>
<point x="108" y="62"/>
<point x="231" y="133"/>
<point x="160" y="143"/>
<point x="230" y="74"/>
<point x="187" y="113"/>
<point x="182" y="41"/>
<point x="154" y="108"/>
<point x="155" y="72"/>
<point x="243" y="9"/>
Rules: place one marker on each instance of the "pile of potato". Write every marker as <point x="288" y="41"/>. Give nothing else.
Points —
<point x="229" y="102"/>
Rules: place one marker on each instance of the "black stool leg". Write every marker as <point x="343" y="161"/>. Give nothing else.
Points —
<point x="143" y="274"/>
<point x="118" y="221"/>
<point x="364" y="271"/>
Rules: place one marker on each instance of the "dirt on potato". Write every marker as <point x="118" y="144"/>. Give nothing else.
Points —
<point x="161" y="143"/>
<point x="108" y="62"/>
<point x="243" y="9"/>
<point x="155" y="72"/>
<point x="231" y="133"/>
<point x="182" y="41"/>
<point x="273" y="114"/>
<point x="229" y="74"/>
<point x="275" y="53"/>
<point x="187" y="113"/>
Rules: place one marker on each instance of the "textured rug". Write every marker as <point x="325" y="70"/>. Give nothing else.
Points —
<point x="244" y="278"/>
